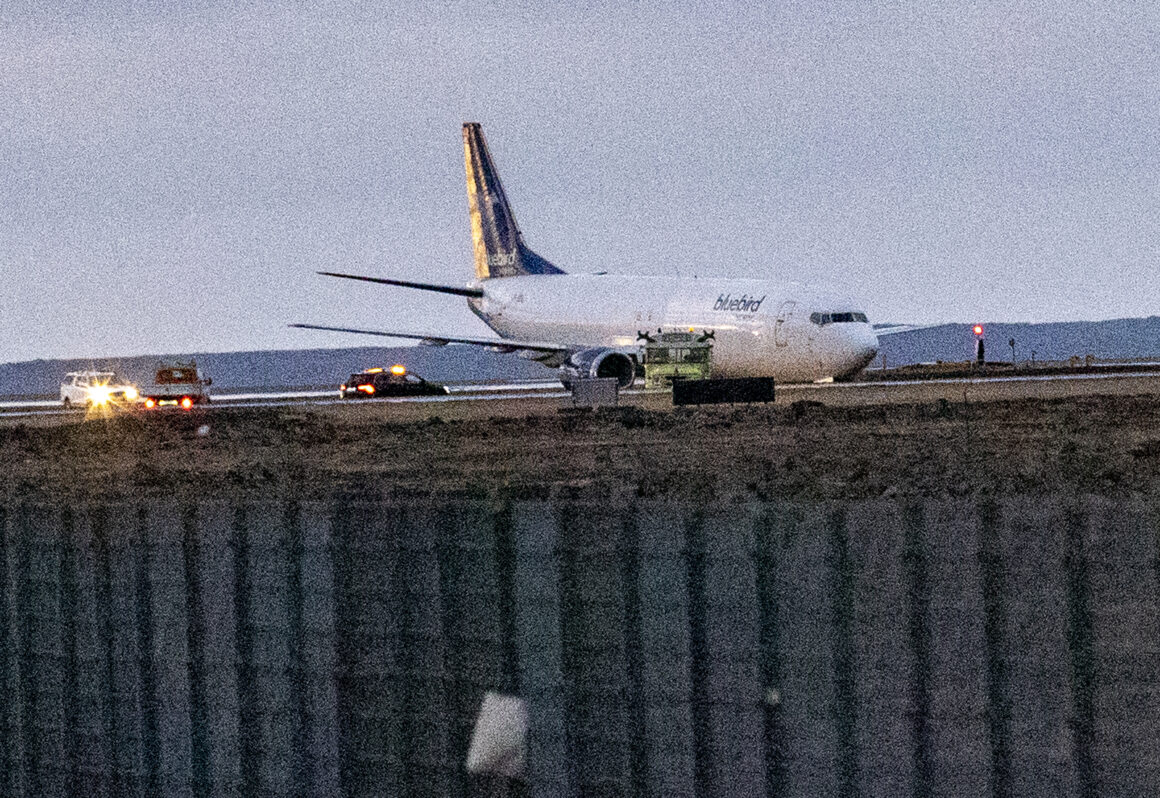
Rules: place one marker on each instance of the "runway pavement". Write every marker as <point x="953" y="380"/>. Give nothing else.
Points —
<point x="518" y="399"/>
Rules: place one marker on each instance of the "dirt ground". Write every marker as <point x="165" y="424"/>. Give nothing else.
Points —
<point x="798" y="448"/>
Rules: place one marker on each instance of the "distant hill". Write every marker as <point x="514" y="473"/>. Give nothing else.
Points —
<point x="231" y="371"/>
<point x="304" y="368"/>
<point x="1118" y="339"/>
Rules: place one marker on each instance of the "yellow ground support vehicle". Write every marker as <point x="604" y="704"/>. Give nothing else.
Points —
<point x="676" y="356"/>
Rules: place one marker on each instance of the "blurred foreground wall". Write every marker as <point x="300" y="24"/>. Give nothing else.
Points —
<point x="883" y="648"/>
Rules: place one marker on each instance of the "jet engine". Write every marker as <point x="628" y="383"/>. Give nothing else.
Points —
<point x="598" y="362"/>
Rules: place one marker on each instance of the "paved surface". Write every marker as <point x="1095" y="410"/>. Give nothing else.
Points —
<point x="515" y="402"/>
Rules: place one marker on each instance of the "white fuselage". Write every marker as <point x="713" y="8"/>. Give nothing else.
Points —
<point x="760" y="328"/>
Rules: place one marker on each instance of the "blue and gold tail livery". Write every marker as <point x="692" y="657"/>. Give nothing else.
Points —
<point x="499" y="247"/>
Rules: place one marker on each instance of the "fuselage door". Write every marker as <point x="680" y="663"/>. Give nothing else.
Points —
<point x="784" y="313"/>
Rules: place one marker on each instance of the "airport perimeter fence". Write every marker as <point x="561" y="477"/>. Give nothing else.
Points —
<point x="884" y="648"/>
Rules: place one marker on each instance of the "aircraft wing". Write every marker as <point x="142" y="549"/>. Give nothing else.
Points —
<point x="552" y="354"/>
<point x="891" y="329"/>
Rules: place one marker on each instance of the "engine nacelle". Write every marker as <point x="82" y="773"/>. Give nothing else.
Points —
<point x="598" y="362"/>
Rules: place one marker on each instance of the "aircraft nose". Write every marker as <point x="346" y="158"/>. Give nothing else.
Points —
<point x="861" y="348"/>
<point x="865" y="347"/>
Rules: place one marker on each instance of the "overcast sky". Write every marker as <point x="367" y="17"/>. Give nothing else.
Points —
<point x="170" y="180"/>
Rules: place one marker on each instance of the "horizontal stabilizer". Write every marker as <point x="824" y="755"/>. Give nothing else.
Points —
<point x="443" y="289"/>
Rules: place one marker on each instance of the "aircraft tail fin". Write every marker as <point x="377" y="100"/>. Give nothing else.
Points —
<point x="499" y="246"/>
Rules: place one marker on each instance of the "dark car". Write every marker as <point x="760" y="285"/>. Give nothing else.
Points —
<point x="395" y="381"/>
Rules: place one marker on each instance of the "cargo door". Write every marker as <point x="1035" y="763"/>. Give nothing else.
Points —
<point x="780" y="331"/>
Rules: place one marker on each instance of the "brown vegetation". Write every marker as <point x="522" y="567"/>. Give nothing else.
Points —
<point x="804" y="450"/>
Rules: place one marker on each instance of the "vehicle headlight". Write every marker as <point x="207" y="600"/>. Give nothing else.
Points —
<point x="131" y="394"/>
<point x="99" y="395"/>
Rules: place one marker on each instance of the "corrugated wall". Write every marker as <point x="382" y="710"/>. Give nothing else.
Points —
<point x="928" y="648"/>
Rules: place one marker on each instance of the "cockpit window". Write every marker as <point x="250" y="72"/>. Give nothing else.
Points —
<point x="844" y="317"/>
<point x="850" y="316"/>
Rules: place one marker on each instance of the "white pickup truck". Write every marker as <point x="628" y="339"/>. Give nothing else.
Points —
<point x="95" y="388"/>
<point x="178" y="384"/>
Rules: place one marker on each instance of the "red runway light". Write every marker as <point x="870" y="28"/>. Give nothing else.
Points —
<point x="186" y="403"/>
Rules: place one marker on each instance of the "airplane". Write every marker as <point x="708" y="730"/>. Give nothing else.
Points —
<point x="591" y="325"/>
